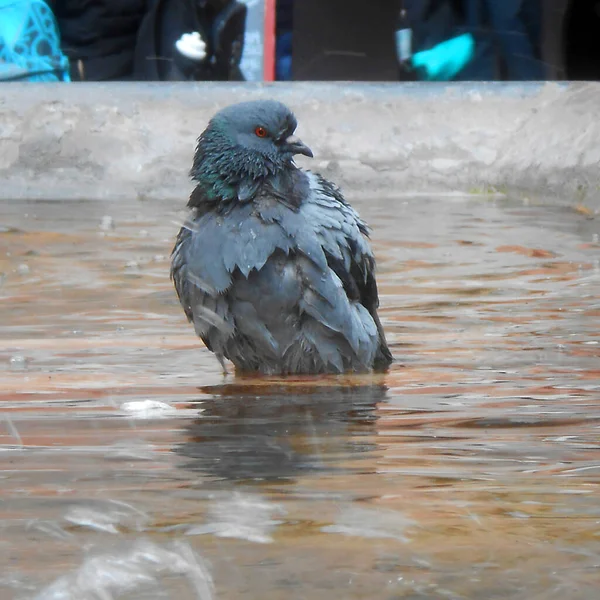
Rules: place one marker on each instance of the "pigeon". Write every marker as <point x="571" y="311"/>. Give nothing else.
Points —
<point x="273" y="267"/>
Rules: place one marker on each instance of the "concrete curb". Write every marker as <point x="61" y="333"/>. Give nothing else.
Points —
<point x="120" y="140"/>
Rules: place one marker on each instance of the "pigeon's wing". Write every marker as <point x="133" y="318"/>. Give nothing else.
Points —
<point x="212" y="251"/>
<point x="179" y="272"/>
<point x="207" y="310"/>
<point x="337" y="266"/>
<point x="345" y="241"/>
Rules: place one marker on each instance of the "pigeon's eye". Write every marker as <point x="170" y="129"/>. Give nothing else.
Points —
<point x="261" y="132"/>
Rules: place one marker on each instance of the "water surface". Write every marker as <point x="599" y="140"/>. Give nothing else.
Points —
<point x="131" y="468"/>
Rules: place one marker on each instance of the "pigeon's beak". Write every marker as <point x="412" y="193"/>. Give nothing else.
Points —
<point x="294" y="145"/>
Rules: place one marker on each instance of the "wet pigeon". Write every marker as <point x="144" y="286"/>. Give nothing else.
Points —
<point x="273" y="267"/>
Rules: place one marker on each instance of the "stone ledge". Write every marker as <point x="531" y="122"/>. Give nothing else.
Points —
<point x="115" y="141"/>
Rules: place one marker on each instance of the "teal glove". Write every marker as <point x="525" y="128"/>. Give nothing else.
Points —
<point x="444" y="61"/>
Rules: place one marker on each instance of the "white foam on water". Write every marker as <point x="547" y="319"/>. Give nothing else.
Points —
<point x="109" y="518"/>
<point x="243" y="516"/>
<point x="139" y="567"/>
<point x="371" y="523"/>
<point x="148" y="409"/>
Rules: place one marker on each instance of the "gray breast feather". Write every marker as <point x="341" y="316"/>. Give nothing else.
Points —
<point x="246" y="237"/>
<point x="220" y="244"/>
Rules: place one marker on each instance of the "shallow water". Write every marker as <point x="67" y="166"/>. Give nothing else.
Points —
<point x="131" y="468"/>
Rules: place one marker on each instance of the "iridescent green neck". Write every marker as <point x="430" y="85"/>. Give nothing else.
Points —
<point x="221" y="166"/>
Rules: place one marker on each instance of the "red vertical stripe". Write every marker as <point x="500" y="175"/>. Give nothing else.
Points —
<point x="269" y="41"/>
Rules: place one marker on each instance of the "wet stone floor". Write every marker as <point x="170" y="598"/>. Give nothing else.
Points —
<point x="130" y="468"/>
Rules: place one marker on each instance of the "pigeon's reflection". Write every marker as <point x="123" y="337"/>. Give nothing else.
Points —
<point x="250" y="432"/>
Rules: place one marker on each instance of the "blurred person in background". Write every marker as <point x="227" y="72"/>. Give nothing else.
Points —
<point x="99" y="36"/>
<point x="510" y="34"/>
<point x="197" y="40"/>
<point x="470" y="40"/>
<point x="30" y="43"/>
<point x="108" y="40"/>
<point x="433" y="41"/>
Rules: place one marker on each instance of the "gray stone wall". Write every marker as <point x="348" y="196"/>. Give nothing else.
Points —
<point x="115" y="141"/>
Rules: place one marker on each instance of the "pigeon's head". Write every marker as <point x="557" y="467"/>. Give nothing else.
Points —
<point x="247" y="140"/>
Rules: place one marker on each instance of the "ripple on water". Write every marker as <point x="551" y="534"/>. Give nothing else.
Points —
<point x="131" y="468"/>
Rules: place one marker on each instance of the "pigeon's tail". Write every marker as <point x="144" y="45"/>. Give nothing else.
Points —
<point x="383" y="357"/>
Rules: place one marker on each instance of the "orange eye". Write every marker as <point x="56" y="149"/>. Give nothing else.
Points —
<point x="260" y="132"/>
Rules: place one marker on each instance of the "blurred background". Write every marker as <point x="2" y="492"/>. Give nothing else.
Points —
<point x="266" y="40"/>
